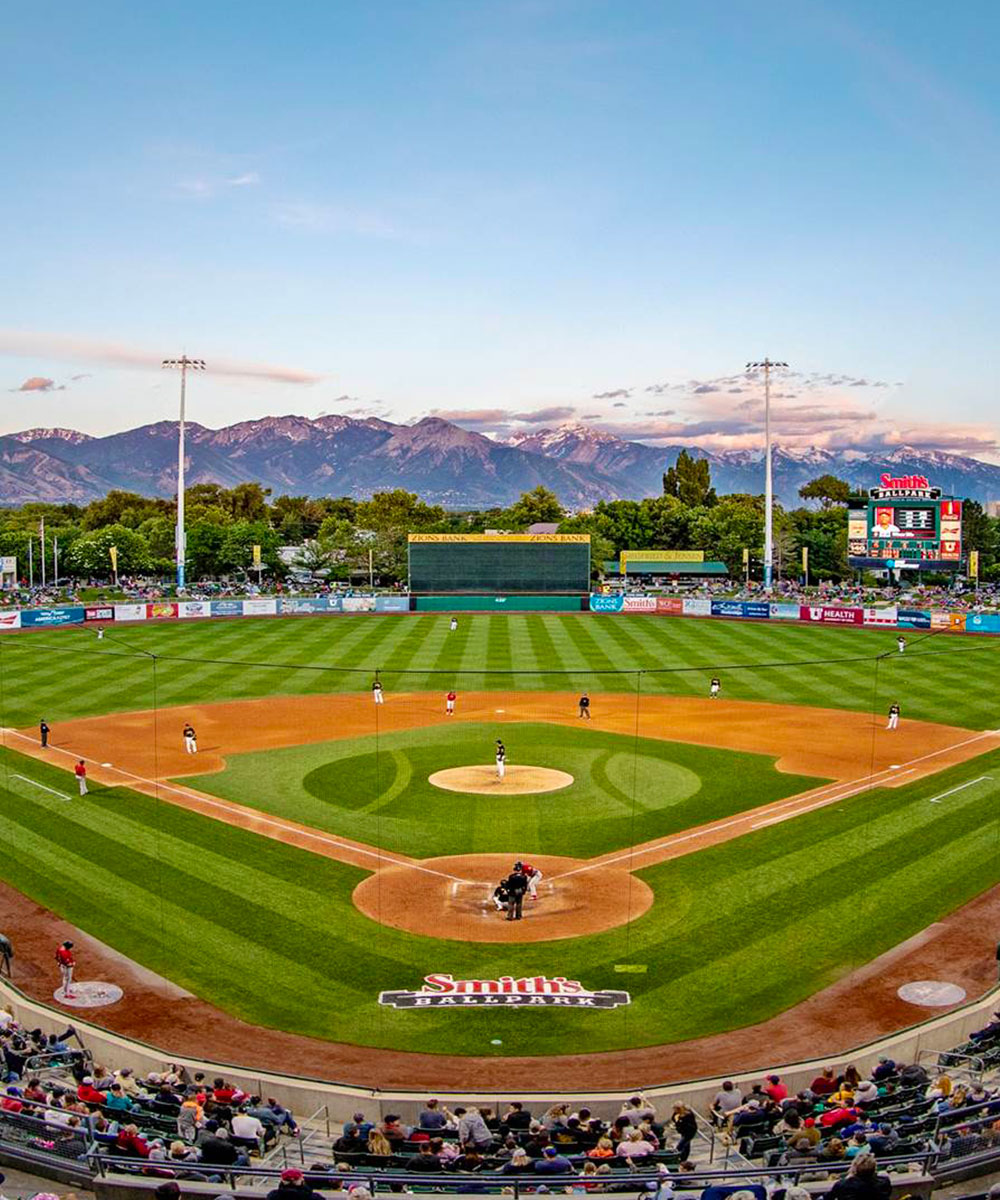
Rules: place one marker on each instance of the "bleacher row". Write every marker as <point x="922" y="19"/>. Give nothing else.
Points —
<point x="922" y="1123"/>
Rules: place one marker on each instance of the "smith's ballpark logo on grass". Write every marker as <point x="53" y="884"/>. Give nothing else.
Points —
<point x="538" y="991"/>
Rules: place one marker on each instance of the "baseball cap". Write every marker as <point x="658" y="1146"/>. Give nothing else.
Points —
<point x="292" y="1175"/>
<point x="550" y="1151"/>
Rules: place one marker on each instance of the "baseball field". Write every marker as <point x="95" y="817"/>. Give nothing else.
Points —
<point x="719" y="859"/>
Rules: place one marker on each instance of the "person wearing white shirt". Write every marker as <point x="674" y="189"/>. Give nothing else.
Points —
<point x="247" y="1128"/>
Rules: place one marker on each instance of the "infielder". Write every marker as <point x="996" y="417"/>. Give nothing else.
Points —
<point x="66" y="963"/>
<point x="714" y="688"/>
<point x="80" y="771"/>
<point x="901" y="644"/>
<point x="190" y="739"/>
<point x="43" y="732"/>
<point x="533" y="876"/>
<point x="377" y="692"/>
<point x="449" y="703"/>
<point x="893" y="717"/>
<point x="501" y="759"/>
<point x="585" y="706"/>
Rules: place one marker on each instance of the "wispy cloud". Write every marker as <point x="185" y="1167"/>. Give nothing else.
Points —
<point x="68" y="348"/>
<point x="617" y="394"/>
<point x="38" y="383"/>
<point x="247" y="179"/>
<point x="333" y="219"/>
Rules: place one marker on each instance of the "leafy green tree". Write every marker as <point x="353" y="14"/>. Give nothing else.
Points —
<point x="534" y="507"/>
<point x="827" y="489"/>
<point x="690" y="481"/>
<point x="238" y="541"/>
<point x="391" y="516"/>
<point x="90" y="553"/>
<point x="124" y="508"/>
<point x="248" y="502"/>
<point x="340" y="540"/>
<point x="204" y="548"/>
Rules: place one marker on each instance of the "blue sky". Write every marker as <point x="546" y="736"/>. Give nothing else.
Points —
<point x="557" y="209"/>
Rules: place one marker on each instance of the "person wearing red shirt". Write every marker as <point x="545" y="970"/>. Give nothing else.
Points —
<point x="774" y="1088"/>
<point x="88" y="1093"/>
<point x="66" y="963"/>
<point x="449" y="703"/>
<point x="824" y="1084"/>
<point x="80" y="771"/>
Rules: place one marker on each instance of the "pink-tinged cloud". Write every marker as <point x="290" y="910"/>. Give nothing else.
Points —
<point x="38" y="383"/>
<point x="67" y="348"/>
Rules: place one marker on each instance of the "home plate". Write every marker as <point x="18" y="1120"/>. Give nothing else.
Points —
<point x="894" y="766"/>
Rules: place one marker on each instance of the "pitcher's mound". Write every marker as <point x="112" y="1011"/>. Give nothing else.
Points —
<point x="518" y="781"/>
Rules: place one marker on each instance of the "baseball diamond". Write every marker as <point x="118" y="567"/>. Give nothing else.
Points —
<point x="310" y="833"/>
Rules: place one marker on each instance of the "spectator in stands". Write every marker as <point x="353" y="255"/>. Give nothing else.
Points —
<point x="469" y="1162"/>
<point x="350" y="1141"/>
<point x="862" y="1182"/>
<point x="116" y="1100"/>
<point x="445" y="1151"/>
<point x="378" y="1144"/>
<point x="433" y="1117"/>
<point x="634" y="1145"/>
<point x="605" y="1148"/>
<point x="885" y="1070"/>
<point x="866" y="1092"/>
<point x="638" y="1109"/>
<point x="552" y="1163"/>
<point x="88" y="1093"/>
<point x="940" y="1088"/>
<point x="750" y="1114"/>
<point x="127" y="1082"/>
<point x="473" y="1131"/>
<point x="181" y="1153"/>
<point x="858" y="1144"/>
<point x="798" y="1153"/>
<point x="282" y="1116"/>
<point x="218" y="1150"/>
<point x="425" y="1160"/>
<point x="832" y="1151"/>
<point x="516" y="1116"/>
<point x="727" y="1100"/>
<point x="130" y="1143"/>
<point x="247" y="1130"/>
<point x="12" y="1102"/>
<point x="685" y="1125"/>
<point x="394" y="1133"/>
<point x="775" y="1089"/>
<point x="190" y="1116"/>
<point x="520" y="1162"/>
<point x="293" y="1186"/>
<point x="364" y="1126"/>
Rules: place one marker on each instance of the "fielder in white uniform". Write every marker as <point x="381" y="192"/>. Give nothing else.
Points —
<point x="190" y="740"/>
<point x="713" y="688"/>
<point x="901" y="644"/>
<point x="893" y="717"/>
<point x="501" y="759"/>
<point x="453" y="624"/>
<point x="377" y="693"/>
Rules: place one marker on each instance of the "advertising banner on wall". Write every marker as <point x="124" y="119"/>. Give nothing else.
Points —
<point x="303" y="604"/>
<point x="227" y="608"/>
<point x="725" y="608"/>
<point x="756" y="610"/>
<point x="51" y="616"/>
<point x="673" y="606"/>
<point x="639" y="604"/>
<point x="260" y="607"/>
<point x="130" y="612"/>
<point x="392" y="604"/>
<point x="940" y="619"/>
<point x="606" y="604"/>
<point x="359" y="603"/>
<point x="827" y="615"/>
<point x="188" y="609"/>
<point x="784" y="612"/>
<point x="913" y="618"/>
<point x="880" y="616"/>
<point x="161" y="610"/>
<point x="982" y="623"/>
<point x="696" y="607"/>
<point x="10" y="620"/>
<point x="99" y="612"/>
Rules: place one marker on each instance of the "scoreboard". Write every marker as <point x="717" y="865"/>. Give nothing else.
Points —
<point x="906" y="525"/>
<point x="499" y="563"/>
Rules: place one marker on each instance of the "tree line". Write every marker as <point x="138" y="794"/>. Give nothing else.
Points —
<point x="344" y="538"/>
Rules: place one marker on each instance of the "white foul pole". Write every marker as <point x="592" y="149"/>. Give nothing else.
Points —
<point x="195" y="364"/>
<point x="766" y="365"/>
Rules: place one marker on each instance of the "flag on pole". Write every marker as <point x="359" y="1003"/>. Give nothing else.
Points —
<point x="113" y="551"/>
<point x="973" y="564"/>
<point x="256" y="557"/>
<point x="805" y="560"/>
<point x="746" y="556"/>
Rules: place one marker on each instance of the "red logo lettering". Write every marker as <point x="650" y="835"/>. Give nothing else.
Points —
<point x="903" y="481"/>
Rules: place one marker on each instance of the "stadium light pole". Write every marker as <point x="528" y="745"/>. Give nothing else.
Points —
<point x="183" y="364"/>
<point x="766" y="365"/>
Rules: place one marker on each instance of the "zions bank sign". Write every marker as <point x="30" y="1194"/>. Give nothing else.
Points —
<point x="537" y="991"/>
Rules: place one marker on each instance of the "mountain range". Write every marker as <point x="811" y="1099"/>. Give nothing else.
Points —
<point x="443" y="463"/>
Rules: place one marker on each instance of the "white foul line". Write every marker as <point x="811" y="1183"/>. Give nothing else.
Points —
<point x="961" y="787"/>
<point x="854" y="785"/>
<point x="201" y="798"/>
<point x="44" y="787"/>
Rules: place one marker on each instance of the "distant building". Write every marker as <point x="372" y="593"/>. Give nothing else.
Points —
<point x="993" y="508"/>
<point x="544" y="527"/>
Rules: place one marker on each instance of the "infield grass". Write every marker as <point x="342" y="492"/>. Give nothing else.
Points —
<point x="65" y="673"/>
<point x="738" y="932"/>
<point x="625" y="790"/>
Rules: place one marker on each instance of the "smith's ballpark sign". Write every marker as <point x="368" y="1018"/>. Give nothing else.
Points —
<point x="538" y="991"/>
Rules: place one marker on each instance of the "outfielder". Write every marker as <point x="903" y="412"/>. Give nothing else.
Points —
<point x="453" y="624"/>
<point x="377" y="692"/>
<point x="901" y="644"/>
<point x="893" y="717"/>
<point x="533" y="876"/>
<point x="713" y="689"/>
<point x="66" y="963"/>
<point x="501" y="759"/>
<point x="190" y="739"/>
<point x="449" y="703"/>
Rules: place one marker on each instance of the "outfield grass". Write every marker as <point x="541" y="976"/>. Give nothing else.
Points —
<point x="738" y="932"/>
<point x="66" y="673"/>
<point x="625" y="790"/>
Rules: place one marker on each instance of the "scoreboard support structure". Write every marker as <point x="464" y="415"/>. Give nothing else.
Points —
<point x="906" y="525"/>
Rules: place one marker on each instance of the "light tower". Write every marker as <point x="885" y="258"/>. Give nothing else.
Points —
<point x="184" y="364"/>
<point x="766" y="365"/>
